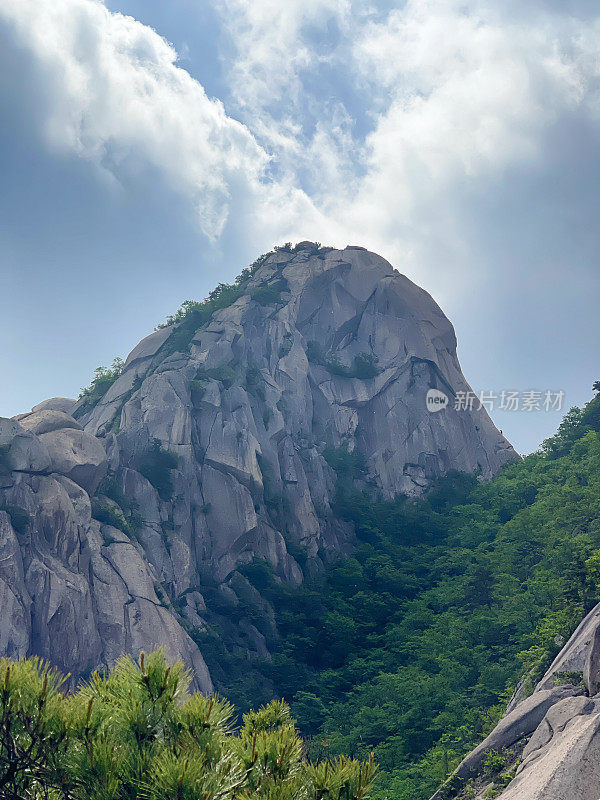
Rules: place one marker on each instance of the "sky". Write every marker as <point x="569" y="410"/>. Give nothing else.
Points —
<point x="149" y="150"/>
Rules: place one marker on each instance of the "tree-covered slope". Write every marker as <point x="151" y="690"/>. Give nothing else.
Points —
<point x="412" y="646"/>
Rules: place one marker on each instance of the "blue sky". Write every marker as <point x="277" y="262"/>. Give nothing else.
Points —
<point x="149" y="150"/>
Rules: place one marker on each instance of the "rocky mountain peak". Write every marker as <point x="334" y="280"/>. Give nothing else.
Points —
<point x="221" y="440"/>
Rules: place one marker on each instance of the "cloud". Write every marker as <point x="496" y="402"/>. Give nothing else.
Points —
<point x="120" y="101"/>
<point x="451" y="94"/>
<point x="465" y="92"/>
<point x="274" y="43"/>
<point x="461" y="94"/>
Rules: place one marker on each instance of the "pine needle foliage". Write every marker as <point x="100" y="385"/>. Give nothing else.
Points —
<point x="137" y="733"/>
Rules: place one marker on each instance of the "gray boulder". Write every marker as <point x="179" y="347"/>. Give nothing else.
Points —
<point x="77" y="455"/>
<point x="554" y="734"/>
<point x="73" y="591"/>
<point x="48" y="420"/>
<point x="21" y="450"/>
<point x="65" y="404"/>
<point x="513" y="729"/>
<point x="15" y="620"/>
<point x="562" y="759"/>
<point x="339" y="358"/>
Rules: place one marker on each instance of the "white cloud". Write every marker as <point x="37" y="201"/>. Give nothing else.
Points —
<point x="466" y="91"/>
<point x="120" y="100"/>
<point x="461" y="94"/>
<point x="457" y="92"/>
<point x="273" y="46"/>
<point x="450" y="94"/>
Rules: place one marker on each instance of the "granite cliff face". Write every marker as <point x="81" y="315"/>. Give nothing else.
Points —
<point x="73" y="590"/>
<point x="549" y="740"/>
<point x="216" y="446"/>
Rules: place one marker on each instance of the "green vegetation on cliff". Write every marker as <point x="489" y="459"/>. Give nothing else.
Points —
<point x="104" y="377"/>
<point x="413" y="645"/>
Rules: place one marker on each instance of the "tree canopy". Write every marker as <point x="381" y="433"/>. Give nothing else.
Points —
<point x="137" y="733"/>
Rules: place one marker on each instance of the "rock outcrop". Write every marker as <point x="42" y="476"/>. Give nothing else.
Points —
<point x="549" y="742"/>
<point x="72" y="589"/>
<point x="216" y="445"/>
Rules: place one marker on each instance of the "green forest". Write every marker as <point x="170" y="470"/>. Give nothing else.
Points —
<point x="412" y="646"/>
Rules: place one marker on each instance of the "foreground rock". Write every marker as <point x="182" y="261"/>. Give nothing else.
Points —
<point x="216" y="446"/>
<point x="549" y="743"/>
